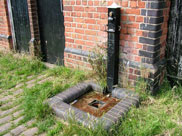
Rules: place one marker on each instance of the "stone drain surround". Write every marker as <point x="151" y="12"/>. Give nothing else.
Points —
<point x="61" y="107"/>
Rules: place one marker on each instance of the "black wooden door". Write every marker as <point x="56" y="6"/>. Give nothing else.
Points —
<point x="174" y="43"/>
<point x="21" y="24"/>
<point x="51" y="24"/>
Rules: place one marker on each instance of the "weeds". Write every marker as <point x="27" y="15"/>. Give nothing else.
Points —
<point x="56" y="130"/>
<point x="98" y="62"/>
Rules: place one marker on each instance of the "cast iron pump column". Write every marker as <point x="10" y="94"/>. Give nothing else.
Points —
<point x="113" y="46"/>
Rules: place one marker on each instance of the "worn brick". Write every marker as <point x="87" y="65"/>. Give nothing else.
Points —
<point x="30" y="132"/>
<point x="156" y="5"/>
<point x="8" y="111"/>
<point x="18" y="130"/>
<point x="155" y="13"/>
<point x="30" y="123"/>
<point x="150" y="27"/>
<point x="5" y="119"/>
<point x="68" y="8"/>
<point x="149" y="41"/>
<point x="151" y="48"/>
<point x="7" y="104"/>
<point x="6" y="98"/>
<point x="155" y="34"/>
<point x="150" y="60"/>
<point x="154" y="20"/>
<point x="111" y="117"/>
<point x="148" y="54"/>
<point x="5" y="127"/>
<point x="8" y="134"/>
<point x="18" y="120"/>
<point x="16" y="114"/>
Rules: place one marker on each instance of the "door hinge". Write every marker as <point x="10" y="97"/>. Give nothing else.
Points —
<point x="61" y="5"/>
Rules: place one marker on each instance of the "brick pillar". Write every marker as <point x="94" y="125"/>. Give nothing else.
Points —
<point x="145" y="57"/>
<point x="154" y="39"/>
<point x="35" y="46"/>
<point x="5" y="33"/>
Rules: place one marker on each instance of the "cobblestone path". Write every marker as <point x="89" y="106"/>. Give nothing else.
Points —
<point x="11" y="113"/>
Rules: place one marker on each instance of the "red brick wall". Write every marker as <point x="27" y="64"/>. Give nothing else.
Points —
<point x="4" y="26"/>
<point x="33" y="17"/>
<point x="85" y="28"/>
<point x="142" y="38"/>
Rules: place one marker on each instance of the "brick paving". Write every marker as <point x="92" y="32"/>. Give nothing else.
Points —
<point x="11" y="112"/>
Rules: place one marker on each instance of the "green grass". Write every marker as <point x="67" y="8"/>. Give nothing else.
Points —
<point x="34" y="98"/>
<point x="16" y="70"/>
<point x="157" y="115"/>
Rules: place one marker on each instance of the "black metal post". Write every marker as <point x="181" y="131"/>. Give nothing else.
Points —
<point x="113" y="46"/>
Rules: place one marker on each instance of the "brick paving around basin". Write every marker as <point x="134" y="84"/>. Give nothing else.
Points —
<point x="11" y="113"/>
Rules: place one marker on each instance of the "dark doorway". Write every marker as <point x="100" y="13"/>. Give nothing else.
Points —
<point x="174" y="43"/>
<point x="21" y="24"/>
<point x="51" y="24"/>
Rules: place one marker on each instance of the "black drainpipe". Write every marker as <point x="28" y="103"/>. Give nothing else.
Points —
<point x="113" y="46"/>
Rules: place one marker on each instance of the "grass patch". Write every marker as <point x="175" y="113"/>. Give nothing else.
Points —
<point x="157" y="115"/>
<point x="56" y="129"/>
<point x="16" y="70"/>
<point x="34" y="98"/>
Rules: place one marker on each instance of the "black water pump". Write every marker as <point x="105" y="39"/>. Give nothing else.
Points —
<point x="113" y="46"/>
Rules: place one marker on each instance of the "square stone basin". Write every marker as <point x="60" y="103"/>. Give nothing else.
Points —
<point x="86" y="104"/>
